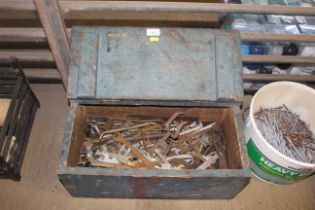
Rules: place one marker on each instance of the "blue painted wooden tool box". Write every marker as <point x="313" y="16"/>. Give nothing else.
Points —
<point x="124" y="70"/>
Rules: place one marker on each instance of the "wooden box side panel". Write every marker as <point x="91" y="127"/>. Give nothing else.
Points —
<point x="153" y="187"/>
<point x="230" y="134"/>
<point x="77" y="136"/>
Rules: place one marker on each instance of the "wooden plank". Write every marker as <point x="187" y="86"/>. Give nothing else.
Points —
<point x="18" y="14"/>
<point x="204" y="1"/>
<point x="21" y="9"/>
<point x="22" y="35"/>
<point x="37" y="56"/>
<point x="278" y="59"/>
<point x="54" y="27"/>
<point x="41" y="73"/>
<point x="38" y="35"/>
<point x="278" y="77"/>
<point x="246" y="36"/>
<point x="11" y="17"/>
<point x="138" y="6"/>
<point x="147" y="19"/>
<point x="17" y="9"/>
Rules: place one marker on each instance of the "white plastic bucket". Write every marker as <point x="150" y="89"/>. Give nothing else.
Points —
<point x="266" y="162"/>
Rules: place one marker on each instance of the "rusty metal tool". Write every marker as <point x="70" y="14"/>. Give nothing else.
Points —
<point x="163" y="141"/>
<point x="135" y="151"/>
<point x="142" y="143"/>
<point x="126" y="128"/>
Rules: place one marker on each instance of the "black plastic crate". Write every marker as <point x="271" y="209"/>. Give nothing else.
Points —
<point x="16" y="126"/>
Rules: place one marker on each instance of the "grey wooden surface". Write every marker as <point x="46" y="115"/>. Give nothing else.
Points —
<point x="122" y="63"/>
<point x="39" y="187"/>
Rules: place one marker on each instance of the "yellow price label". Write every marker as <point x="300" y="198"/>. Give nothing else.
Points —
<point x="154" y="39"/>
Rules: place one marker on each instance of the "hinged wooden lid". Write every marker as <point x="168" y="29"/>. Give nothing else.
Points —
<point x="163" y="66"/>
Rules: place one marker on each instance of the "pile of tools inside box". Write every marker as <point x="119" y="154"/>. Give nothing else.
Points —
<point x="152" y="142"/>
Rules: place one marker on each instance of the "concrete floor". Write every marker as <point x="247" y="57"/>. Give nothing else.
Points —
<point x="39" y="187"/>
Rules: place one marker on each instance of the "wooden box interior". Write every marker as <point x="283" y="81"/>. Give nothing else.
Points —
<point x="224" y="116"/>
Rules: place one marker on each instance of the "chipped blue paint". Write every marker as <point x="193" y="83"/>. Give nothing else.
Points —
<point x="121" y="63"/>
<point x="186" y="67"/>
<point x="153" y="183"/>
<point x="224" y="64"/>
<point x="237" y="75"/>
<point x="88" y="65"/>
